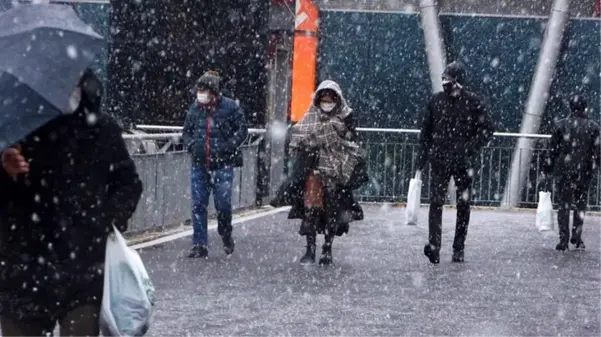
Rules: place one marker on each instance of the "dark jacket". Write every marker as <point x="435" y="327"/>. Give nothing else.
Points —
<point x="454" y="129"/>
<point x="54" y="221"/>
<point x="213" y="135"/>
<point x="339" y="201"/>
<point x="574" y="149"/>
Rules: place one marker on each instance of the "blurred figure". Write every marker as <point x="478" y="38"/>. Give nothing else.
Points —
<point x="328" y="168"/>
<point x="574" y="153"/>
<point x="62" y="190"/>
<point x="214" y="129"/>
<point x="456" y="126"/>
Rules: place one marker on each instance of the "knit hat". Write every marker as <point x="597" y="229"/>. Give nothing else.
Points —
<point x="209" y="80"/>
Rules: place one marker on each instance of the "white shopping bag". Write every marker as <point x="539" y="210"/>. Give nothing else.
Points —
<point x="128" y="298"/>
<point x="414" y="199"/>
<point x="544" y="213"/>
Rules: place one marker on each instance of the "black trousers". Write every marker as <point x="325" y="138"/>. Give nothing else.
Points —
<point x="441" y="174"/>
<point x="572" y="190"/>
<point x="81" y="321"/>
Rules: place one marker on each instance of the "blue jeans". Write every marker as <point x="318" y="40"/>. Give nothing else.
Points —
<point x="203" y="181"/>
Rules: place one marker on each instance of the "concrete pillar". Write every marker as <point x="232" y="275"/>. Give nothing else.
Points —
<point x="537" y="100"/>
<point x="436" y="55"/>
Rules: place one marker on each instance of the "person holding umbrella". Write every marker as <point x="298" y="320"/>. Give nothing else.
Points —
<point x="66" y="177"/>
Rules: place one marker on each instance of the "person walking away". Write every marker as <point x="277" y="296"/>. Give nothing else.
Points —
<point x="573" y="154"/>
<point x="455" y="127"/>
<point x="328" y="168"/>
<point x="62" y="189"/>
<point x="214" y="129"/>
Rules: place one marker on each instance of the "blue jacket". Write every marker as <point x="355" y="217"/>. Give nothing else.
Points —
<point x="213" y="135"/>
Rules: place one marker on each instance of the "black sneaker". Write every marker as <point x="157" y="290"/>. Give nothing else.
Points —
<point x="198" y="251"/>
<point x="562" y="246"/>
<point x="578" y="243"/>
<point x="228" y="245"/>
<point x="458" y="255"/>
<point x="432" y="254"/>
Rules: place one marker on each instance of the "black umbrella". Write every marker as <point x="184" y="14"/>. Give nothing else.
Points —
<point x="44" y="51"/>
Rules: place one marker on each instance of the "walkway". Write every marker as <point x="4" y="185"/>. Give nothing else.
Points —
<point x="512" y="283"/>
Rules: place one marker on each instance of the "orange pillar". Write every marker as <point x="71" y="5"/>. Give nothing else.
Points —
<point x="304" y="58"/>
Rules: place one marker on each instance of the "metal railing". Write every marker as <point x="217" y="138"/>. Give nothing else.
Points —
<point x="165" y="174"/>
<point x="392" y="164"/>
<point x="392" y="158"/>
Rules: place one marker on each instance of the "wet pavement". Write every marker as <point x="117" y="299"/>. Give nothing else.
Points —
<point x="512" y="283"/>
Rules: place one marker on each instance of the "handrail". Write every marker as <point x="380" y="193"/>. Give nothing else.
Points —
<point x="384" y="130"/>
<point x="251" y="131"/>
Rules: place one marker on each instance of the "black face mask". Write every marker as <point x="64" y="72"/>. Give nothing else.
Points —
<point x="448" y="87"/>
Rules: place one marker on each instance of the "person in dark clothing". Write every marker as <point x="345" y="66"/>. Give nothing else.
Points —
<point x="456" y="126"/>
<point x="62" y="189"/>
<point x="574" y="153"/>
<point x="214" y="129"/>
<point x="327" y="169"/>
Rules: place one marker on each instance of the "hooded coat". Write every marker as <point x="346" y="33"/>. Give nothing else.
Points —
<point x="55" y="220"/>
<point x="326" y="143"/>
<point x="454" y="128"/>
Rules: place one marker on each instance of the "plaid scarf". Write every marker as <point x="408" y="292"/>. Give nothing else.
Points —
<point x="338" y="156"/>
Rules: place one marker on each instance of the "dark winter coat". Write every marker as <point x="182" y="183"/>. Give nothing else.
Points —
<point x="454" y="129"/>
<point x="574" y="150"/>
<point x="338" y="201"/>
<point x="213" y="135"/>
<point x="54" y="220"/>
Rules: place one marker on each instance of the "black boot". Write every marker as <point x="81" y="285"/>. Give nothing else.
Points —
<point x="309" y="256"/>
<point x="198" y="251"/>
<point x="326" y="251"/>
<point x="224" y="228"/>
<point x="458" y="255"/>
<point x="576" y="239"/>
<point x="432" y="253"/>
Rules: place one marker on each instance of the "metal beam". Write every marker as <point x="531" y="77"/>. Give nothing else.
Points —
<point x="537" y="100"/>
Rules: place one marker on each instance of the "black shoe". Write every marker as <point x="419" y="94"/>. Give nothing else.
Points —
<point x="432" y="254"/>
<point x="458" y="255"/>
<point x="198" y="251"/>
<point x="578" y="243"/>
<point x="326" y="255"/>
<point x="309" y="256"/>
<point x="228" y="244"/>
<point x="562" y="246"/>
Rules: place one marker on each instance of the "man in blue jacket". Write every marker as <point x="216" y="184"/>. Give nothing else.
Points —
<point x="214" y="129"/>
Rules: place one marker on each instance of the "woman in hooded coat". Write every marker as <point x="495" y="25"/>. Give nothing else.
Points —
<point x="328" y="167"/>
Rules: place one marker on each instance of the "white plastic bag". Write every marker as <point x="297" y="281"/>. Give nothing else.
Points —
<point x="128" y="298"/>
<point x="544" y="212"/>
<point x="414" y="199"/>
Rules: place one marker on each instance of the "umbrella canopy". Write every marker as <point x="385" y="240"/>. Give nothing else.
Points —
<point x="44" y="51"/>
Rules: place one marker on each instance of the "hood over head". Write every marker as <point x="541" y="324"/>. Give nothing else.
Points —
<point x="343" y="109"/>
<point x="455" y="71"/>
<point x="578" y="105"/>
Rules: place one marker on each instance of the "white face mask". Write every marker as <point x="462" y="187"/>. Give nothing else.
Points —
<point x="74" y="101"/>
<point x="203" y="97"/>
<point x="327" y="107"/>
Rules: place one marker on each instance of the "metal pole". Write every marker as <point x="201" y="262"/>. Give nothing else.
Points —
<point x="435" y="50"/>
<point x="435" y="53"/>
<point x="537" y="100"/>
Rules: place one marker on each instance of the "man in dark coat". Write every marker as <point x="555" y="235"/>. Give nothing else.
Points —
<point x="62" y="190"/>
<point x="456" y="126"/>
<point x="574" y="155"/>
<point x="214" y="129"/>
